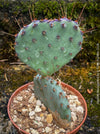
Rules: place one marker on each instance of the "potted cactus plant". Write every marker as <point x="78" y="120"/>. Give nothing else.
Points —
<point x="46" y="46"/>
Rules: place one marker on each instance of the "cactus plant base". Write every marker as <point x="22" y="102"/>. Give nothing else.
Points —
<point x="17" y="112"/>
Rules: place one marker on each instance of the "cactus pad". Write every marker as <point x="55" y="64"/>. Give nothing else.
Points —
<point x="51" y="94"/>
<point x="48" y="45"/>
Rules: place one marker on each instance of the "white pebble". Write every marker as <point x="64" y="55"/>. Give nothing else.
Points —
<point x="15" y="118"/>
<point x="48" y="129"/>
<point x="38" y="103"/>
<point x="33" y="131"/>
<point x="31" y="113"/>
<point x="20" y="125"/>
<point x="29" y="89"/>
<point x="75" y="102"/>
<point x="78" y="103"/>
<point x="30" y="109"/>
<point x="33" y="94"/>
<point x="21" y="104"/>
<point x="73" y="115"/>
<point x="15" y="112"/>
<point x="27" y="130"/>
<point x="73" y="108"/>
<point x="40" y="124"/>
<point x="80" y="109"/>
<point x="42" y="118"/>
<point x="57" y="131"/>
<point x="72" y="124"/>
<point x="26" y="91"/>
<point x="37" y="109"/>
<point x="62" y="130"/>
<point x="24" y="110"/>
<point x="31" y="117"/>
<point x="31" y="99"/>
<point x="37" y="118"/>
<point x="72" y="102"/>
<point x="15" y="101"/>
<point x="19" y="98"/>
<point x="72" y="97"/>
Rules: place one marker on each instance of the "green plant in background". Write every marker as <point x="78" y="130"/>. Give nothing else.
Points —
<point x="46" y="46"/>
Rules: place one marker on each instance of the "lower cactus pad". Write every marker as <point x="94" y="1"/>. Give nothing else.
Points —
<point x="51" y="94"/>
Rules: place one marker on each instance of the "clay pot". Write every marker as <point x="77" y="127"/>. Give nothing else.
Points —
<point x="77" y="93"/>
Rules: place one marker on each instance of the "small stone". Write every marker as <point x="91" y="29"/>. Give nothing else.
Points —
<point x="31" y="113"/>
<point x="15" y="101"/>
<point x="78" y="103"/>
<point x="19" y="98"/>
<point x="38" y="103"/>
<point x="31" y="117"/>
<point x="49" y="124"/>
<point x="48" y="129"/>
<point x="25" y="97"/>
<point x="72" y="97"/>
<point x="21" y="104"/>
<point x="42" y="118"/>
<point x="73" y="108"/>
<point x="33" y="131"/>
<point x="41" y="115"/>
<point x="27" y="130"/>
<point x="37" y="118"/>
<point x="19" y="125"/>
<point x="80" y="109"/>
<point x="75" y="102"/>
<point x="73" y="115"/>
<point x="43" y="108"/>
<point x="30" y="87"/>
<point x="72" y="125"/>
<point x="72" y="102"/>
<point x="15" y="112"/>
<point x="37" y="109"/>
<point x="33" y="94"/>
<point x="57" y="131"/>
<point x="24" y="112"/>
<point x="31" y="99"/>
<point x="62" y="130"/>
<point x="15" y="118"/>
<point x="40" y="124"/>
<point x="49" y="118"/>
<point x="36" y="125"/>
<point x="40" y="130"/>
<point x="29" y="108"/>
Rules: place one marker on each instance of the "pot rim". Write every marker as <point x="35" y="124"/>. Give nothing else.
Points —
<point x="64" y="85"/>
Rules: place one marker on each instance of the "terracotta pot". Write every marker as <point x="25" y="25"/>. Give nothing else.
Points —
<point x="80" y="97"/>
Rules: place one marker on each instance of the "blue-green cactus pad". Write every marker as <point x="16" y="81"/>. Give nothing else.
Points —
<point x="51" y="94"/>
<point x="48" y="45"/>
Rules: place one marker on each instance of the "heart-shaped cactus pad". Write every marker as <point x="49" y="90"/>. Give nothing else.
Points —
<point x="48" y="45"/>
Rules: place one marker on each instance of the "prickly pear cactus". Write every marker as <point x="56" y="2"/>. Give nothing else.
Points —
<point x="51" y="94"/>
<point x="48" y="45"/>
